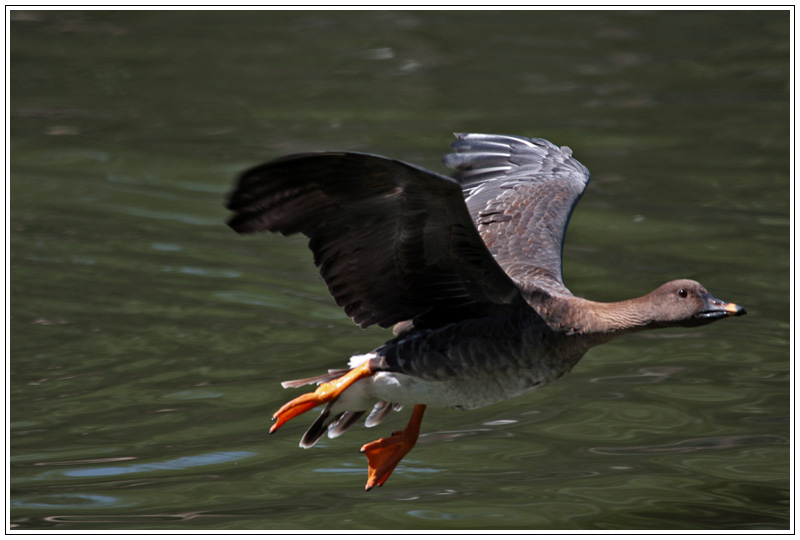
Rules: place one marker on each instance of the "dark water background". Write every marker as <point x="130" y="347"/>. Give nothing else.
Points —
<point x="148" y="340"/>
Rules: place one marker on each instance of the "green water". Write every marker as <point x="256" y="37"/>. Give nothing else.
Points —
<point x="148" y="340"/>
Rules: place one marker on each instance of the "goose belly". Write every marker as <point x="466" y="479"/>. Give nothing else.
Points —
<point x="459" y="394"/>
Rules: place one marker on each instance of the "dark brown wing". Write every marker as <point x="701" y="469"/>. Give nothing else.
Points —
<point x="392" y="241"/>
<point x="520" y="193"/>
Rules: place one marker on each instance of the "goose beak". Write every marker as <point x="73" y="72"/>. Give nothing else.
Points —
<point x="734" y="309"/>
<point x="716" y="308"/>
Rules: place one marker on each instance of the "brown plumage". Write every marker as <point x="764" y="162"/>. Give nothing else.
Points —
<point x="468" y="269"/>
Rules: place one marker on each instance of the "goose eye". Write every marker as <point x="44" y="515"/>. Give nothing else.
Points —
<point x="682" y="293"/>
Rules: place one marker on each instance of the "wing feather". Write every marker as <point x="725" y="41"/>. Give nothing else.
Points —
<point x="393" y="242"/>
<point x="521" y="193"/>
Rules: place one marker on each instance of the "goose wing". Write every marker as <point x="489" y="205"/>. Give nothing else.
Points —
<point x="520" y="193"/>
<point x="393" y="242"/>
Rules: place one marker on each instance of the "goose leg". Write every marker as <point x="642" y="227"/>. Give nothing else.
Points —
<point x="324" y="393"/>
<point x="384" y="454"/>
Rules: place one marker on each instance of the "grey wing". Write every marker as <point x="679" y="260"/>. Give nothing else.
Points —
<point x="520" y="193"/>
<point x="393" y="242"/>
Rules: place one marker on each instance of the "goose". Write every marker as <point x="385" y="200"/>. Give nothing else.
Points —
<point x="466" y="269"/>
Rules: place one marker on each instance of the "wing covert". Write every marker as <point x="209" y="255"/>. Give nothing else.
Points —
<point x="520" y="193"/>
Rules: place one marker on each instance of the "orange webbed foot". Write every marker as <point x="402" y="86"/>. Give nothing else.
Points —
<point x="325" y="392"/>
<point x="384" y="454"/>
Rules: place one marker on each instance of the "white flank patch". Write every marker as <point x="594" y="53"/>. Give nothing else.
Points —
<point x="359" y="359"/>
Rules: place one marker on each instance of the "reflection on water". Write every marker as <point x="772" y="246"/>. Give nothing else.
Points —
<point x="148" y="340"/>
<point x="180" y="463"/>
<point x="63" y="502"/>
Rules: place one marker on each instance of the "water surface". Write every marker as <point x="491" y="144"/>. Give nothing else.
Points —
<point x="148" y="340"/>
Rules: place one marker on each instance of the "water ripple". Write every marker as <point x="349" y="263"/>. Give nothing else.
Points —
<point x="689" y="445"/>
<point x="180" y="463"/>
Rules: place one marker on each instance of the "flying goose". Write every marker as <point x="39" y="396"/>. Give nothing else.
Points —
<point x="466" y="268"/>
